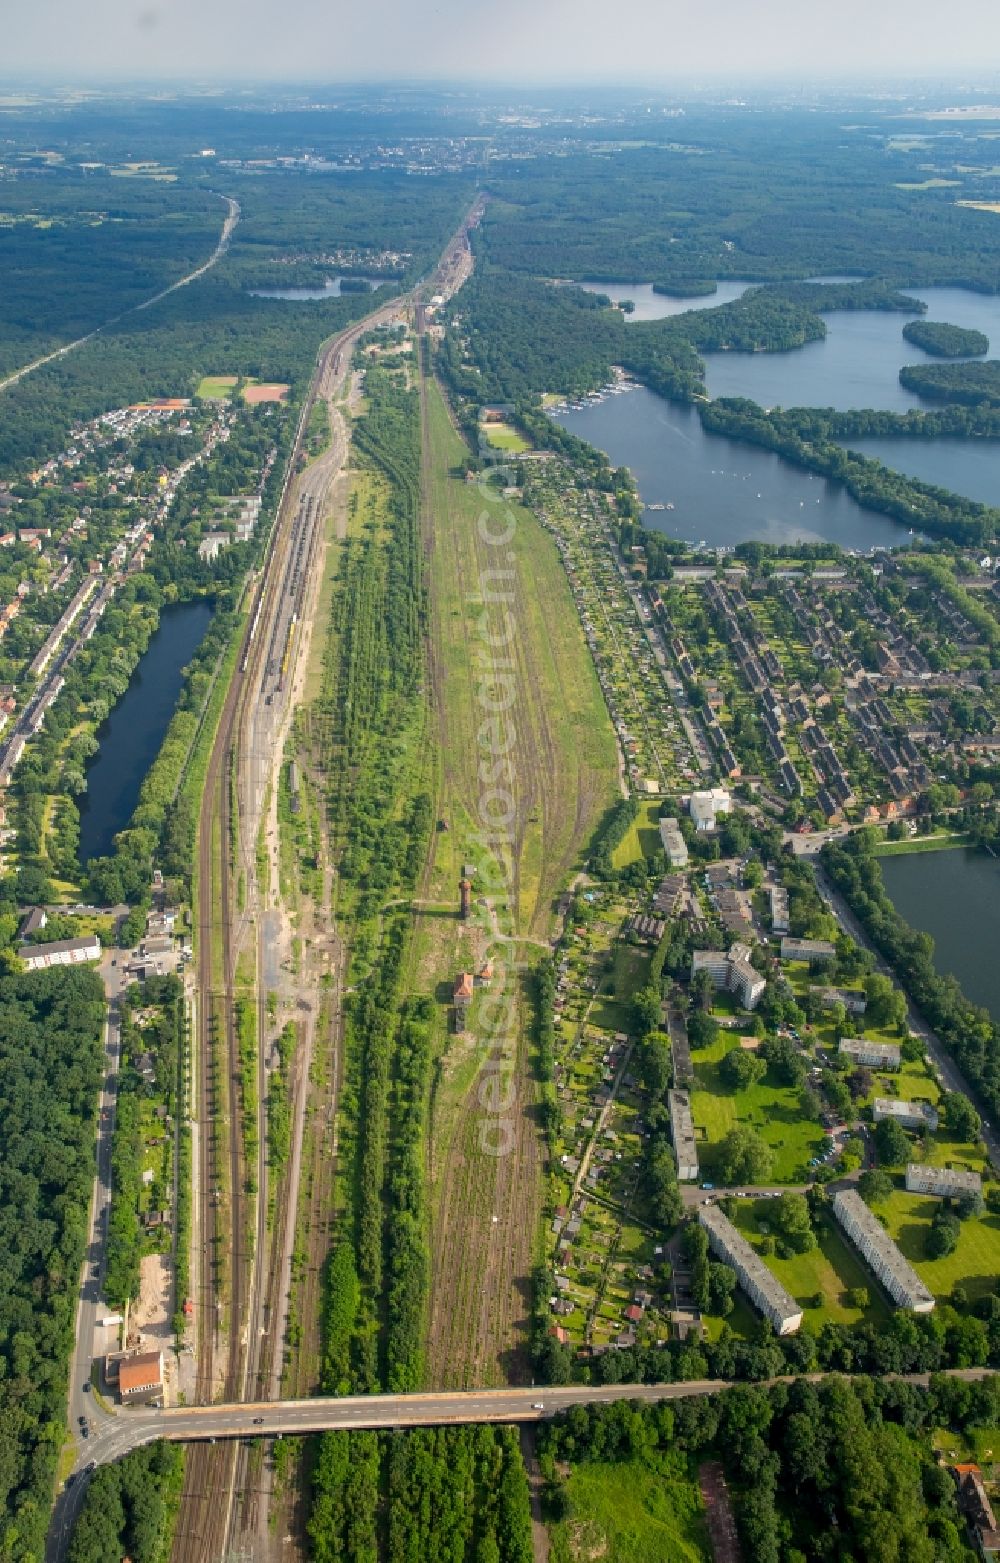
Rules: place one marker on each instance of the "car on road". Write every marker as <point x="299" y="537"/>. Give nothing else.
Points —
<point x="258" y="1421"/>
<point x="84" y="1430"/>
<point x="708" y="1185"/>
<point x="538" y="1405"/>
<point x="86" y="1388"/>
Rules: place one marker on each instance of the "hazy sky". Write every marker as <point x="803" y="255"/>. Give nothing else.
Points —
<point x="497" y="39"/>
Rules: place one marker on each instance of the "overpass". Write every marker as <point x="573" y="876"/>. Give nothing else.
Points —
<point x="133" y="1427"/>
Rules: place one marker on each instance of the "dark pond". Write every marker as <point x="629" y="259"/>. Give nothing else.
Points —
<point x="130" y="739"/>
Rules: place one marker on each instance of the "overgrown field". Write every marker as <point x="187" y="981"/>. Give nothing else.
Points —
<point x="526" y="769"/>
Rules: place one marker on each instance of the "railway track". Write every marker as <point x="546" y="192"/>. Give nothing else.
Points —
<point x="236" y="1354"/>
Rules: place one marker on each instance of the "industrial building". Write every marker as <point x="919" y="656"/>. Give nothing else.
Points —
<point x="909" y="1115"/>
<point x="942" y="1181"/>
<point x="879" y="1251"/>
<point x="674" y="844"/>
<point x="682" y="1129"/>
<point x="875" y="1055"/>
<point x="762" y="1287"/>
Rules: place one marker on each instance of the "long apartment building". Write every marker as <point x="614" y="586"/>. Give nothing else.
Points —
<point x="942" y="1181"/>
<point x="761" y="1285"/>
<point x="876" y="1055"/>
<point x="879" y="1251"/>
<point x="682" y="1129"/>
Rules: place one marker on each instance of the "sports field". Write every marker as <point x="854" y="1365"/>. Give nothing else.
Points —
<point x="216" y="387"/>
<point x="503" y="436"/>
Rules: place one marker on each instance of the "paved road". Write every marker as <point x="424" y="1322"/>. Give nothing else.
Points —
<point x="266" y="1419"/>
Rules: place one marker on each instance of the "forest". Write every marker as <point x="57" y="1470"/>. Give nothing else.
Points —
<point x="768" y="196"/>
<point x="972" y="384"/>
<point x="451" y="1493"/>
<point x="841" y="1469"/>
<point x="944" y="340"/>
<point x="77" y="251"/>
<point x="130" y="1508"/>
<point x="50" y="1071"/>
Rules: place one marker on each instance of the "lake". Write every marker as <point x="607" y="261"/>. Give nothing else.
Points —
<point x="131" y="737"/>
<point x="722" y="491"/>
<point x="953" y="896"/>
<point x="657" y="306"/>
<point x="331" y="289"/>
<point x="966" y="466"/>
<point x="858" y="362"/>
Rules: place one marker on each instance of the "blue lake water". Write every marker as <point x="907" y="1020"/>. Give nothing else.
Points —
<point x="131" y="737"/>
<point x="722" y="491"/>
<point x="858" y="362"/>
<point x="657" y="306"/>
<point x="953" y="896"/>
<point x="330" y="289"/>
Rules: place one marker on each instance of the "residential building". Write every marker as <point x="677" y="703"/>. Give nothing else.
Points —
<point x="854" y="1002"/>
<point x="879" y="1251"/>
<point x="746" y="982"/>
<point x="875" y="1055"/>
<point x="715" y="962"/>
<point x="976" y="1509"/>
<point x="140" y="1378"/>
<point x="909" y="1115"/>
<point x="761" y="1285"/>
<point x="733" y="972"/>
<point x="807" y="950"/>
<point x="674" y="844"/>
<point x="942" y="1181"/>
<point x="779" y="908"/>
<point x="682" y="1129"/>
<point x="706" y="807"/>
<point x="63" y="952"/>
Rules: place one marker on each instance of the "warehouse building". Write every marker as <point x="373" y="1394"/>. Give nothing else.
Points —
<point x="876" y="1055"/>
<point x="879" y="1251"/>
<point x="762" y="1287"/>
<point x="909" y="1115"/>
<point x="942" y="1181"/>
<point x="682" y="1129"/>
